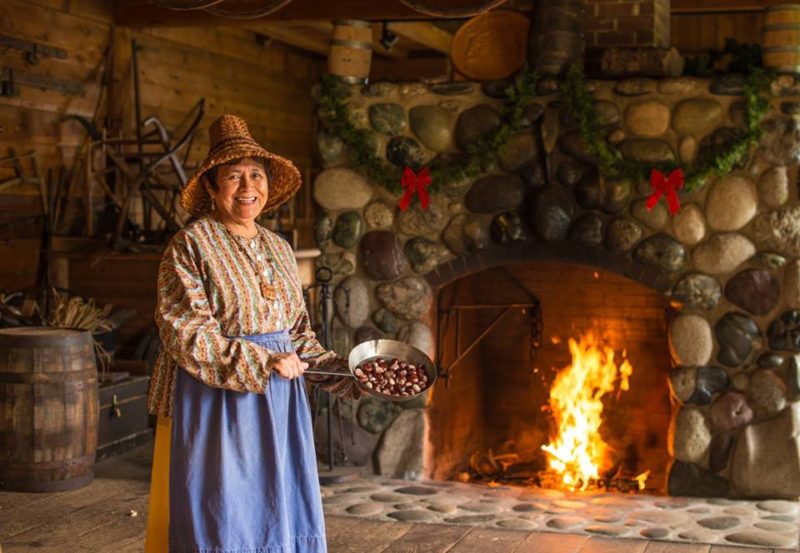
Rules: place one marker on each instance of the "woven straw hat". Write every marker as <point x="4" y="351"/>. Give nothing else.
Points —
<point x="230" y="140"/>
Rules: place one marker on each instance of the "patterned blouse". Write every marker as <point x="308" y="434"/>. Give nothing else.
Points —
<point x="209" y="292"/>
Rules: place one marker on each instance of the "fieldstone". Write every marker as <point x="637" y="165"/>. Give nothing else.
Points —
<point x="769" y="360"/>
<point x="517" y="524"/>
<point x="550" y="129"/>
<point x="778" y="506"/>
<point x="615" y="194"/>
<point x="779" y="231"/>
<point x="442" y="507"/>
<point x="650" y="118"/>
<point x="453" y="235"/>
<point x="474" y="122"/>
<point x="720" y="523"/>
<point x="477" y="234"/>
<point x="494" y="193"/>
<point x="773" y="187"/>
<point x="768" y="260"/>
<point x="610" y="530"/>
<point x="784" y="85"/>
<point x="731" y="203"/>
<point x="720" y="451"/>
<point x="697" y="291"/>
<point x="656" y="218"/>
<point x="375" y="416"/>
<point x="366" y="334"/>
<point x="521" y="149"/>
<point x="573" y="144"/>
<point x="784" y="332"/>
<point x="424" y="255"/>
<point x="662" y="252"/>
<point x="607" y="113"/>
<point x="690" y="436"/>
<point x="689" y="224"/>
<point x="682" y="383"/>
<point x="418" y="335"/>
<point x="767" y="392"/>
<point x="552" y="212"/>
<point x="341" y="263"/>
<point x="399" y="454"/>
<point x="417" y="490"/>
<point x="432" y="126"/>
<point x="781" y="143"/>
<point x="405" y="152"/>
<point x="323" y="229"/>
<point x="690" y="340"/>
<point x="790" y="108"/>
<point x="759" y="538"/>
<point x="654" y="533"/>
<point x="471" y="519"/>
<point x="379" y="215"/>
<point x="340" y="188"/>
<point x="408" y="298"/>
<point x="479" y="507"/>
<point x="765" y="459"/>
<point x="720" y="142"/>
<point x="635" y="87"/>
<point x="590" y="191"/>
<point x="696" y="116"/>
<point x="508" y="227"/>
<point x="616" y="136"/>
<point x="688" y="479"/>
<point x="622" y="235"/>
<point x="378" y="89"/>
<point x="352" y="301"/>
<point x="730" y="412"/>
<point x="496" y="89"/>
<point x="791" y="284"/>
<point x="412" y="515"/>
<point x="416" y="221"/>
<point x="687" y="149"/>
<point x="348" y="229"/>
<point x="452" y="89"/>
<point x="588" y="229"/>
<point x="677" y="85"/>
<point x="565" y="522"/>
<point x="647" y="150"/>
<point x="569" y="173"/>
<point x="381" y="255"/>
<point x="728" y="84"/>
<point x="711" y="380"/>
<point x="365" y="509"/>
<point x="736" y="334"/>
<point x="385" y="320"/>
<point x="722" y="253"/>
<point x="755" y="290"/>
<point x="331" y="148"/>
<point x="387" y="118"/>
<point x="455" y="188"/>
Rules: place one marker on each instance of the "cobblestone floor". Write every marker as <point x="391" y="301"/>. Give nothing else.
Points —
<point x="768" y="523"/>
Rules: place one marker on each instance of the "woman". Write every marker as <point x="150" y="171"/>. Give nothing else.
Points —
<point x="234" y="450"/>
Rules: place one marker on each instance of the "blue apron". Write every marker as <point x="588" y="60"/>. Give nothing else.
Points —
<point x="243" y="470"/>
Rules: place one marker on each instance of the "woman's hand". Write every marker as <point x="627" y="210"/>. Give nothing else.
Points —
<point x="288" y="365"/>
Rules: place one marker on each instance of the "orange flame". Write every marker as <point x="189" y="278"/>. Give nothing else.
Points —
<point x="577" y="452"/>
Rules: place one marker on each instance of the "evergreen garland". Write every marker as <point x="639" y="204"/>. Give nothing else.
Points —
<point x="581" y="104"/>
<point x="480" y="155"/>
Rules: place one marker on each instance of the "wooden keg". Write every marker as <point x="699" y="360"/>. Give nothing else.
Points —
<point x="780" y="38"/>
<point x="48" y="409"/>
<point x="555" y="41"/>
<point x="351" y="50"/>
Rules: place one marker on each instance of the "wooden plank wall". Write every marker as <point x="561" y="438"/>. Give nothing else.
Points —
<point x="695" y="33"/>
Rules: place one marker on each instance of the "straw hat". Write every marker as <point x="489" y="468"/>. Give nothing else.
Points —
<point x="230" y="140"/>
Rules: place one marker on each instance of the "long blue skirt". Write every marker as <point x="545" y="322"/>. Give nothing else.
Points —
<point x="243" y="471"/>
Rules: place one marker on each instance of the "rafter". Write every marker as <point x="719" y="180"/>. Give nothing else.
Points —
<point x="426" y="34"/>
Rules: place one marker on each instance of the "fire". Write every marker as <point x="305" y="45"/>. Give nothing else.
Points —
<point x="578" y="452"/>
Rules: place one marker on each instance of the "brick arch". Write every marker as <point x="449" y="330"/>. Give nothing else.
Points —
<point x="564" y="252"/>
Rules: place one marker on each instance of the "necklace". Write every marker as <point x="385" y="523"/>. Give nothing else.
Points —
<point x="248" y="247"/>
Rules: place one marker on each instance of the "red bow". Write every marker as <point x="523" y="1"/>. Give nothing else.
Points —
<point x="668" y="185"/>
<point x="415" y="183"/>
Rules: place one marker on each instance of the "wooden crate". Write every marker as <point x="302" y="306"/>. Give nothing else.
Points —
<point x="124" y="421"/>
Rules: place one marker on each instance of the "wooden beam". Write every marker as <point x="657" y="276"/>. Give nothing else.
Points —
<point x="426" y="34"/>
<point x="311" y="42"/>
<point x="720" y="6"/>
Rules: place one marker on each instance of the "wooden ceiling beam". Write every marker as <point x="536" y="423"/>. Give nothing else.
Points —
<point x="426" y="34"/>
<point x="678" y="7"/>
<point x="311" y="42"/>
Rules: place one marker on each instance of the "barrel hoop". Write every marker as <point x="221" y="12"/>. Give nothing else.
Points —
<point x="86" y="376"/>
<point x="84" y="461"/>
<point x="352" y="80"/>
<point x="780" y="27"/>
<point x="14" y="338"/>
<point x="352" y="22"/>
<point x="358" y="44"/>
<point x="781" y="7"/>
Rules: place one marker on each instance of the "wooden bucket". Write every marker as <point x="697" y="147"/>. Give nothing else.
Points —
<point x="556" y="41"/>
<point x="48" y="409"/>
<point x="351" y="50"/>
<point x="780" y="38"/>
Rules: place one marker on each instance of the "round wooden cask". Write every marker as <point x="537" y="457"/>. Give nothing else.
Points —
<point x="780" y="38"/>
<point x="556" y="41"/>
<point x="48" y="409"/>
<point x="351" y="50"/>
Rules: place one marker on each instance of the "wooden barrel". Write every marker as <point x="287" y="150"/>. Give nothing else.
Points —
<point x="351" y="50"/>
<point x="780" y="38"/>
<point x="48" y="409"/>
<point x="556" y="41"/>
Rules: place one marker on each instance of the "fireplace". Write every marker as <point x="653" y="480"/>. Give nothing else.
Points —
<point x="713" y="408"/>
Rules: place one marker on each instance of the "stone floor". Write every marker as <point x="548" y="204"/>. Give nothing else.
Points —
<point x="769" y="523"/>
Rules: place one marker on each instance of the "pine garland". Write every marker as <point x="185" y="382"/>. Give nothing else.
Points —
<point x="480" y="155"/>
<point x="581" y="104"/>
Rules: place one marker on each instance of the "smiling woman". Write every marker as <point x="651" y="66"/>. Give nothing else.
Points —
<point x="239" y="190"/>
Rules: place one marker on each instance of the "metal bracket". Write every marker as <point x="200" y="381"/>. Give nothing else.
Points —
<point x="9" y="79"/>
<point x="33" y="50"/>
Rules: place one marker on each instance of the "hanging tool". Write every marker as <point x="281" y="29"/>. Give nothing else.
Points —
<point x="33" y="50"/>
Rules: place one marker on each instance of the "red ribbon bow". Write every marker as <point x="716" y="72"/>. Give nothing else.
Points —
<point x="415" y="183"/>
<point x="668" y="185"/>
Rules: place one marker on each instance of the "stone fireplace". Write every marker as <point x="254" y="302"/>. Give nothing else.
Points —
<point x="706" y="303"/>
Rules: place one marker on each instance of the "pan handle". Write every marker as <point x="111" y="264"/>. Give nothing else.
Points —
<point x="328" y="373"/>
